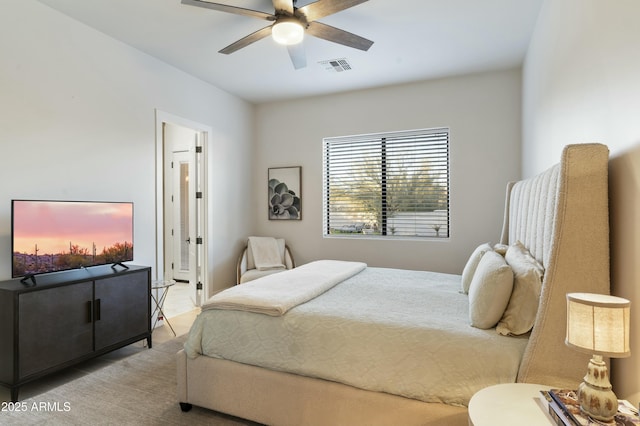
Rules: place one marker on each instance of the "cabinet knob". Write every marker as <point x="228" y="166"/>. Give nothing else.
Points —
<point x="97" y="309"/>
<point x="89" y="311"/>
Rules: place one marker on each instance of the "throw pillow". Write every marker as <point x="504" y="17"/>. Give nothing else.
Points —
<point x="501" y="249"/>
<point x="490" y="290"/>
<point x="522" y="309"/>
<point x="472" y="265"/>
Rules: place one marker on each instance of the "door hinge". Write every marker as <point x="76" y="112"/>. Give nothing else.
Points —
<point x="171" y="265"/>
<point x="172" y="164"/>
<point x="199" y="240"/>
<point x="199" y="286"/>
<point x="198" y="150"/>
<point x="199" y="194"/>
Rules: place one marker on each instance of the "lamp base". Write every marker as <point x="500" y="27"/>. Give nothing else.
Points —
<point x="596" y="398"/>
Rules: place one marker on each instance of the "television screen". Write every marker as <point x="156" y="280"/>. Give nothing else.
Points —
<point x="52" y="236"/>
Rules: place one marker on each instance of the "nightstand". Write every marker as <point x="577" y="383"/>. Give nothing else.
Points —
<point x="510" y="404"/>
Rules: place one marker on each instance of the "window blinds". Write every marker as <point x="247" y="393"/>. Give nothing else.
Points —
<point x="389" y="184"/>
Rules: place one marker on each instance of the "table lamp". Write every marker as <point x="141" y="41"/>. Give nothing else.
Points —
<point x="598" y="324"/>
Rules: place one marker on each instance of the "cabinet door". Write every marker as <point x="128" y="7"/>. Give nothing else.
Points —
<point x="123" y="308"/>
<point x="54" y="327"/>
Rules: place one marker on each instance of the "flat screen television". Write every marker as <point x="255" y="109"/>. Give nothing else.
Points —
<point x="48" y="236"/>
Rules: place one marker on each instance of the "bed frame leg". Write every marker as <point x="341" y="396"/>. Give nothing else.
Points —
<point x="185" y="406"/>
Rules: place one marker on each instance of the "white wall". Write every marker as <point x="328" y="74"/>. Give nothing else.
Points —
<point x="581" y="83"/>
<point x="77" y="122"/>
<point x="483" y="113"/>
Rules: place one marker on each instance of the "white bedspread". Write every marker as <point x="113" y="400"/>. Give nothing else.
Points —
<point x="387" y="330"/>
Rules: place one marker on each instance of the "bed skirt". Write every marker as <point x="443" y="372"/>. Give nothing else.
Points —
<point x="278" y="398"/>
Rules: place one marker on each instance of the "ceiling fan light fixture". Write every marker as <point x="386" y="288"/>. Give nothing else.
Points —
<point x="287" y="31"/>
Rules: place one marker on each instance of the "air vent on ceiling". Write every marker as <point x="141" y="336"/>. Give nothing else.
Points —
<point x="336" y="65"/>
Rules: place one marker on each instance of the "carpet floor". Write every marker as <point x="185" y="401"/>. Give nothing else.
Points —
<point x="137" y="390"/>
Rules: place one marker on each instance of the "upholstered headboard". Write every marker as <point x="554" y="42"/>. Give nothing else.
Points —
<point x="562" y="217"/>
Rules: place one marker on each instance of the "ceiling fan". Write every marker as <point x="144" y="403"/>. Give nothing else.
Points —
<point x="290" y="23"/>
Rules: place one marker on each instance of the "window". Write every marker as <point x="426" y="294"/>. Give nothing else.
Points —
<point x="391" y="185"/>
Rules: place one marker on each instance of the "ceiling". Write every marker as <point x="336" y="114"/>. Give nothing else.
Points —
<point x="413" y="40"/>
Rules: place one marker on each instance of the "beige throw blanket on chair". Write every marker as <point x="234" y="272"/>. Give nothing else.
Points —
<point x="266" y="253"/>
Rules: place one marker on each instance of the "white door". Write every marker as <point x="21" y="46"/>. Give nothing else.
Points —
<point x="184" y="208"/>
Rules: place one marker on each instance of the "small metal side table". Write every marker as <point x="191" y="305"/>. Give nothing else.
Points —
<point x="159" y="291"/>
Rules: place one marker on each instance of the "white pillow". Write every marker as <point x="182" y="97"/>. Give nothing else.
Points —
<point x="501" y="249"/>
<point x="521" y="311"/>
<point x="472" y="265"/>
<point x="490" y="290"/>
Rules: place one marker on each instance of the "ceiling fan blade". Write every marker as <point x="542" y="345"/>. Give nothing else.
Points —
<point x="297" y="55"/>
<point x="339" y="36"/>
<point x="322" y="8"/>
<point x="230" y="9"/>
<point x="283" y="5"/>
<point x="245" y="41"/>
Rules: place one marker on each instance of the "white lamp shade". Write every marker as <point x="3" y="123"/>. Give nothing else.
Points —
<point x="287" y="31"/>
<point x="598" y="324"/>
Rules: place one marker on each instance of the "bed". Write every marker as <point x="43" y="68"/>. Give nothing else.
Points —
<point x="396" y="370"/>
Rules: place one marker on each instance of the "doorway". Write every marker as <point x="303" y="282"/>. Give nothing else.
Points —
<point x="181" y="207"/>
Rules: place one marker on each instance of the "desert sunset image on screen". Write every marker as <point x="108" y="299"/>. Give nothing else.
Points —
<point x="60" y="235"/>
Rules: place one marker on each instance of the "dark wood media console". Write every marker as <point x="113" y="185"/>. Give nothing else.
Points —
<point x="69" y="317"/>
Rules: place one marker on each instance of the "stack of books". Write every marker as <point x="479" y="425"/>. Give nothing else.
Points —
<point x="564" y="408"/>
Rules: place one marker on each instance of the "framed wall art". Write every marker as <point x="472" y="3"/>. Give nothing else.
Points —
<point x="284" y="193"/>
